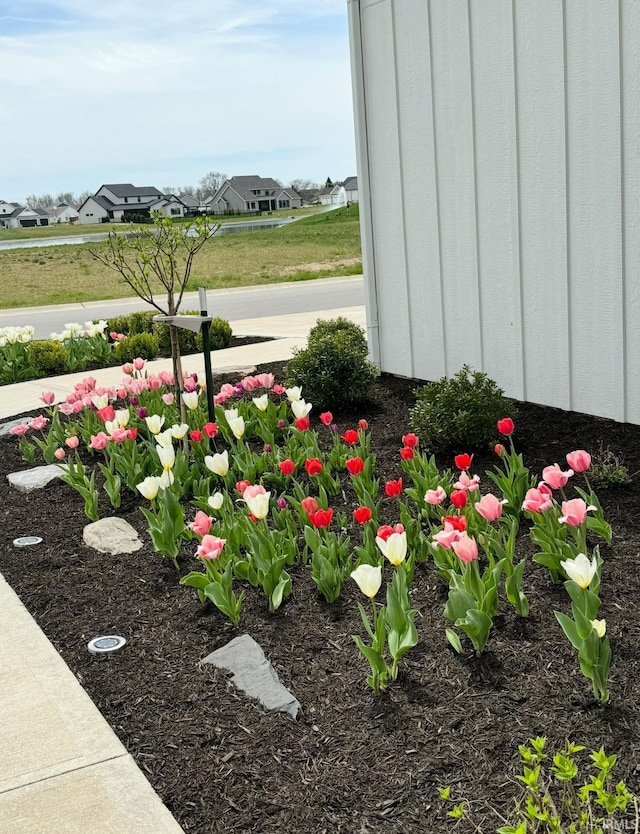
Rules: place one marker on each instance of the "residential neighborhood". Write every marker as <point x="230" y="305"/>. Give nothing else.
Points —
<point x="125" y="202"/>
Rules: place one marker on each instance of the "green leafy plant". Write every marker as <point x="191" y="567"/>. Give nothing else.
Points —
<point x="333" y="370"/>
<point x="608" y="470"/>
<point x="564" y="794"/>
<point x="140" y="345"/>
<point x="459" y="412"/>
<point x="48" y="357"/>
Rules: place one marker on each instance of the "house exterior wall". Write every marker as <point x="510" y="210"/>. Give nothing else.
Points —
<point x="499" y="184"/>
<point x="91" y="212"/>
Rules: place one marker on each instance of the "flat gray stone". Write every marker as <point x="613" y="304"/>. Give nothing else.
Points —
<point x="236" y="372"/>
<point x="111" y="535"/>
<point x="253" y="674"/>
<point x="37" y="478"/>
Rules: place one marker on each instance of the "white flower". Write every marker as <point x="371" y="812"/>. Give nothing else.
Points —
<point x="190" y="399"/>
<point x="164" y="438"/>
<point x="262" y="402"/>
<point x="580" y="569"/>
<point x="216" y="501"/>
<point x="154" y="422"/>
<point x="178" y="430"/>
<point x="600" y="627"/>
<point x="218" y="463"/>
<point x="300" y="408"/>
<point x="166" y="479"/>
<point x="167" y="455"/>
<point x="149" y="487"/>
<point x="236" y="423"/>
<point x="394" y="548"/>
<point x="293" y="394"/>
<point x="100" y="401"/>
<point x="122" y="417"/>
<point x="257" y="500"/>
<point x="368" y="579"/>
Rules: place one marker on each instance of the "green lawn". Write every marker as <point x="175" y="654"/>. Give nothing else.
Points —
<point x="319" y="245"/>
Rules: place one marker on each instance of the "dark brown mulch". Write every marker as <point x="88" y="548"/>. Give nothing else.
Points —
<point x="351" y="762"/>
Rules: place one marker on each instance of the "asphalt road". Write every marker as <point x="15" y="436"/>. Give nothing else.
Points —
<point x="231" y="304"/>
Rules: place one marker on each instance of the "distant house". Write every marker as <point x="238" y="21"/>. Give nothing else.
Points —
<point x="15" y="216"/>
<point x="63" y="213"/>
<point x="309" y="196"/>
<point x="350" y="186"/>
<point x="333" y="195"/>
<point x="124" y="201"/>
<point x="251" y="194"/>
<point x="193" y="205"/>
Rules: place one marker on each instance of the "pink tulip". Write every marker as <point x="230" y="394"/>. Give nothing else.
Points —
<point x="266" y="380"/>
<point x="435" y="496"/>
<point x="89" y="382"/>
<point x="466" y="483"/>
<point x="78" y="406"/>
<point x="447" y="536"/>
<point x="210" y="548"/>
<point x="38" y="423"/>
<point x="127" y="368"/>
<point x="72" y="442"/>
<point x="489" y="507"/>
<point x="555" y="477"/>
<point x="48" y="397"/>
<point x="167" y="399"/>
<point x="574" y="512"/>
<point x="138" y="364"/>
<point x="60" y="454"/>
<point x="201" y="523"/>
<point x="278" y="389"/>
<point x="19" y="431"/>
<point x="465" y="548"/>
<point x="66" y="408"/>
<point x="119" y="435"/>
<point x="579" y="460"/>
<point x="98" y="441"/>
<point x="537" y="500"/>
<point x="122" y="393"/>
<point x="154" y="383"/>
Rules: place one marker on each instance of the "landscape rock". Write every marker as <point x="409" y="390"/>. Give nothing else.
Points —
<point x="37" y="478"/>
<point x="253" y="674"/>
<point x="111" y="535"/>
<point x="236" y="372"/>
<point x="5" y="428"/>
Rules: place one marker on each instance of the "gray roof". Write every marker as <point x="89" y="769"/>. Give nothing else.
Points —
<point x="126" y="189"/>
<point x="189" y="200"/>
<point x="244" y="185"/>
<point x="351" y="184"/>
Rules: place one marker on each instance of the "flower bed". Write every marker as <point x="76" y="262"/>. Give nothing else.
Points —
<point x="353" y="761"/>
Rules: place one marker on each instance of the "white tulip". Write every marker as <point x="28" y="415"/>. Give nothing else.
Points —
<point x="218" y="463"/>
<point x="167" y="455"/>
<point x="300" y="408"/>
<point x="394" y="548"/>
<point x="261" y="403"/>
<point x="368" y="578"/>
<point x="236" y="424"/>
<point x="166" y="479"/>
<point x="154" y="422"/>
<point x="580" y="569"/>
<point x="600" y="627"/>
<point x="164" y="438"/>
<point x="100" y="401"/>
<point x="216" y="501"/>
<point x="149" y="487"/>
<point x="293" y="394"/>
<point x="122" y="417"/>
<point x="178" y="430"/>
<point x="257" y="502"/>
<point x="190" y="399"/>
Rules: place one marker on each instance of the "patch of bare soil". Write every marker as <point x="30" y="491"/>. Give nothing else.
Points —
<point x="351" y="762"/>
<point x="319" y="267"/>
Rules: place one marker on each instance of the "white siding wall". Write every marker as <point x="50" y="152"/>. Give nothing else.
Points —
<point x="499" y="178"/>
<point x="91" y="212"/>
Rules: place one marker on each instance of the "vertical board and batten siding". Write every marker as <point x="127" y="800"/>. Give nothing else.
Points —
<point x="499" y="151"/>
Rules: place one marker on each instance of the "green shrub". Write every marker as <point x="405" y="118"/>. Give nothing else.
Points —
<point x="460" y="412"/>
<point x="142" y="345"/>
<point x="118" y="324"/>
<point x="139" y="322"/>
<point x="608" y="470"/>
<point x="220" y="334"/>
<point x="333" y="370"/>
<point x="48" y="357"/>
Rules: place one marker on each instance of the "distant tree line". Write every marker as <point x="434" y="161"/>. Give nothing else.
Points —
<point x="206" y="187"/>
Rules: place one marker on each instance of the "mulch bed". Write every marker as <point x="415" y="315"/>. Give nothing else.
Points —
<point x="351" y="762"/>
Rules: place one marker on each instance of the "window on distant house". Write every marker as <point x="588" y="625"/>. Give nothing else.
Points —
<point x="126" y="199"/>
<point x="283" y="203"/>
<point x="175" y="211"/>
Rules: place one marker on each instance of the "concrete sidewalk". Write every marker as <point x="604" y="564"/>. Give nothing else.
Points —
<point x="62" y="768"/>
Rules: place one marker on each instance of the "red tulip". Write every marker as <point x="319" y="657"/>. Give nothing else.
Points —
<point x="506" y="426"/>
<point x="363" y="425"/>
<point x="458" y="498"/>
<point x="321" y="518"/>
<point x="407" y="453"/>
<point x="242" y="485"/>
<point x="362" y="515"/>
<point x="210" y="429"/>
<point x="326" y="417"/>
<point x="499" y="450"/>
<point x="313" y="466"/>
<point x="354" y="465"/>
<point x="107" y="413"/>
<point x="287" y="467"/>
<point x="393" y="488"/>
<point x="195" y="436"/>
<point x="410" y="440"/>
<point x="302" y="423"/>
<point x="350" y="437"/>
<point x="463" y="461"/>
<point x="387" y="530"/>
<point x="458" y="522"/>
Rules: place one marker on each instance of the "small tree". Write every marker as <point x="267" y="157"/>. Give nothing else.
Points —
<point x="148" y="259"/>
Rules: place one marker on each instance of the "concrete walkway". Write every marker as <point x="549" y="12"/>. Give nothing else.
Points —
<point x="62" y="768"/>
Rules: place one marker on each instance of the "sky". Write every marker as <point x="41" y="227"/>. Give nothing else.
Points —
<point x="160" y="92"/>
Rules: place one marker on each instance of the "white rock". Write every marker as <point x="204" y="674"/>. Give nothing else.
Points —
<point x="111" y="535"/>
<point x="30" y="479"/>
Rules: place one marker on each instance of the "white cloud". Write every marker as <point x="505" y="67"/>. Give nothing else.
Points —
<point x="173" y="87"/>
